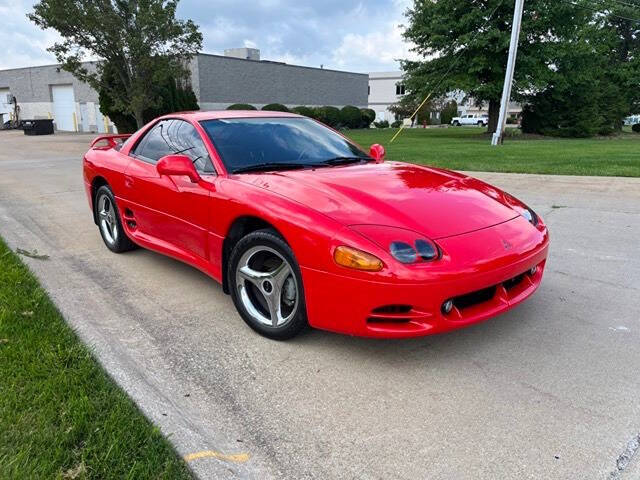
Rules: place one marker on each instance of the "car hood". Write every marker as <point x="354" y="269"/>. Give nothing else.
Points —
<point x="434" y="202"/>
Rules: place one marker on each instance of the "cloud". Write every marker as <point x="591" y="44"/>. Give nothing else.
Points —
<point x="374" y="51"/>
<point x="349" y="35"/>
<point x="23" y="43"/>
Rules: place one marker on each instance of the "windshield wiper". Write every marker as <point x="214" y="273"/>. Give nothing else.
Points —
<point x="276" y="166"/>
<point x="346" y="160"/>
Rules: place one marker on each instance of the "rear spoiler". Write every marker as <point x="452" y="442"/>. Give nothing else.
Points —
<point x="110" y="139"/>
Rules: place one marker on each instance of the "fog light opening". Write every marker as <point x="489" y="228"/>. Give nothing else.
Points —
<point x="447" y="307"/>
<point x="533" y="270"/>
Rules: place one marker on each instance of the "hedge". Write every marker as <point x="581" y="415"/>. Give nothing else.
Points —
<point x="351" y="117"/>
<point x="368" y="117"/>
<point x="275" y="107"/>
<point x="241" y="106"/>
<point x="302" y="110"/>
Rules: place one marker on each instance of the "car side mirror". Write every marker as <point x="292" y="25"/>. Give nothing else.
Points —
<point x="377" y="152"/>
<point x="178" y="165"/>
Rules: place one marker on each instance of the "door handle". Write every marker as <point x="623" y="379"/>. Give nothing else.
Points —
<point x="128" y="181"/>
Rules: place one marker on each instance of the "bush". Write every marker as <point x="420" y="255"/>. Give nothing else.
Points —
<point x="241" y="106"/>
<point x="328" y="115"/>
<point x="306" y="111"/>
<point x="397" y="124"/>
<point x="368" y="117"/>
<point x="382" y="124"/>
<point x="351" y="117"/>
<point x="275" y="107"/>
<point x="635" y="128"/>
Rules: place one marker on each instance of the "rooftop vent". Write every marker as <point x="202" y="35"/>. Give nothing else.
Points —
<point x="245" y="53"/>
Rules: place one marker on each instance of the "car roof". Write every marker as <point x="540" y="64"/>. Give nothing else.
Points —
<point x="198" y="116"/>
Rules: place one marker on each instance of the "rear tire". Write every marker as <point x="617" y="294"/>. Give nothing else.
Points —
<point x="109" y="224"/>
<point x="266" y="285"/>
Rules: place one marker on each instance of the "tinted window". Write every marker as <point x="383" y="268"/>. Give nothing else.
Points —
<point x="153" y="146"/>
<point x="244" y="142"/>
<point x="175" y="136"/>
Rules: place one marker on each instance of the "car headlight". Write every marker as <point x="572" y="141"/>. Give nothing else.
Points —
<point x="406" y="246"/>
<point x="529" y="214"/>
<point x="422" y="250"/>
<point x="522" y="209"/>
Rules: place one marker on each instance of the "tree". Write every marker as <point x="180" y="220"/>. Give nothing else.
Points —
<point x="465" y="45"/>
<point x="625" y="52"/>
<point x="408" y="105"/>
<point x="174" y="97"/>
<point x="592" y="86"/>
<point x="449" y="111"/>
<point x="141" y="42"/>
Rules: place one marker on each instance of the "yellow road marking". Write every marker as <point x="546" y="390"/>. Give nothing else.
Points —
<point x="235" y="458"/>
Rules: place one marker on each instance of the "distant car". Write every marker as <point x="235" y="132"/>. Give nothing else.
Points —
<point x="632" y="120"/>
<point x="303" y="227"/>
<point x="471" y="119"/>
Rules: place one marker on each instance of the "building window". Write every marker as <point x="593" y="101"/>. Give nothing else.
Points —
<point x="399" y="89"/>
<point x="369" y="90"/>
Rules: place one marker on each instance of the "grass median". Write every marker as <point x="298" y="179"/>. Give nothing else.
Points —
<point x="469" y="148"/>
<point x="61" y="416"/>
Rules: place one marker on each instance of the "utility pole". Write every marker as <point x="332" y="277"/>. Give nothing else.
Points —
<point x="508" y="78"/>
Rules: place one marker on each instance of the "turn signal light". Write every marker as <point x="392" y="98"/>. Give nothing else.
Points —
<point x="357" y="259"/>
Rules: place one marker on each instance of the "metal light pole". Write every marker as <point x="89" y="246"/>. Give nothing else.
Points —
<point x="508" y="79"/>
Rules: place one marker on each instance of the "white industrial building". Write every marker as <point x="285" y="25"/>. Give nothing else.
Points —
<point x="387" y="88"/>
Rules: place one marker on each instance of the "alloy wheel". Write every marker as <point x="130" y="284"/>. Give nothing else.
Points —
<point x="107" y="219"/>
<point x="267" y="286"/>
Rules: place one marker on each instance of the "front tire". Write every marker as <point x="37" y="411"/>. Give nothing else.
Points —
<point x="456" y="124"/>
<point x="109" y="224"/>
<point x="266" y="285"/>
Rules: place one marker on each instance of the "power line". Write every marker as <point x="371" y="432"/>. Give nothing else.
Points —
<point x="627" y="4"/>
<point x="456" y="57"/>
<point x="594" y="9"/>
<point x="620" y="4"/>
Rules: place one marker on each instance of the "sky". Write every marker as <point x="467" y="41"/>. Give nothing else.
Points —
<point x="358" y="36"/>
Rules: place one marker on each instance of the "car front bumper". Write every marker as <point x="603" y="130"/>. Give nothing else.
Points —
<point x="487" y="283"/>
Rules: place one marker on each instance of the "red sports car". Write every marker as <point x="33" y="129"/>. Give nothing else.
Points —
<point x="303" y="227"/>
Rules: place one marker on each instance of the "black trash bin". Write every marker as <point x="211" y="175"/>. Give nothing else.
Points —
<point x="37" y="127"/>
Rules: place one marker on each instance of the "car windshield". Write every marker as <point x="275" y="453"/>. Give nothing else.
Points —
<point x="247" y="144"/>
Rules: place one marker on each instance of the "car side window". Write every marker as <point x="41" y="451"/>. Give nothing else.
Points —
<point x="185" y="138"/>
<point x="154" y="145"/>
<point x="173" y="137"/>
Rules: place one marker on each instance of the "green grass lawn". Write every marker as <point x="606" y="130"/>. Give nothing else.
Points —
<point x="61" y="416"/>
<point x="470" y="149"/>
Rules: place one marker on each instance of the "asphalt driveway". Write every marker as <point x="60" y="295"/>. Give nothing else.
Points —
<point x="549" y="390"/>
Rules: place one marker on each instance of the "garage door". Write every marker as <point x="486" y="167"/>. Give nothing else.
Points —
<point x="64" y="105"/>
<point x="4" y="106"/>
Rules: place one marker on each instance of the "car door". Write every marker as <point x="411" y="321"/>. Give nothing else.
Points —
<point x="171" y="209"/>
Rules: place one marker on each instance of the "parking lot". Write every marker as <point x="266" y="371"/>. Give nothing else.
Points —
<point x="549" y="390"/>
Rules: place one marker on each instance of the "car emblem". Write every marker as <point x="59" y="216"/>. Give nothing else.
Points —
<point x="506" y="245"/>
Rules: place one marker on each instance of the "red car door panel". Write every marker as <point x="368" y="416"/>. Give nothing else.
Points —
<point x="169" y="208"/>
